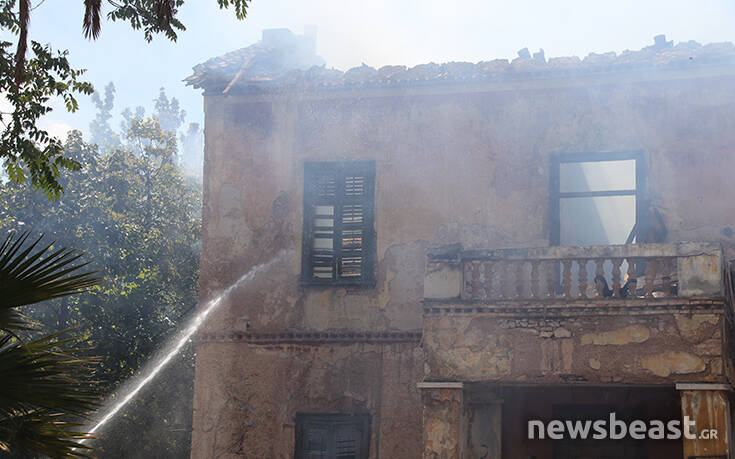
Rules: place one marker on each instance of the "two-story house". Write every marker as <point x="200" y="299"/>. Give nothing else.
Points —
<point x="462" y="248"/>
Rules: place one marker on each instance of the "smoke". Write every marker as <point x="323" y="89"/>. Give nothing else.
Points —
<point x="169" y="352"/>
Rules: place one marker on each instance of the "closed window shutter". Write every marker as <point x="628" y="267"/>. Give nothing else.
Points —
<point x="317" y="442"/>
<point x="352" y="234"/>
<point x="332" y="436"/>
<point x="347" y="442"/>
<point x="338" y="222"/>
<point x="323" y="225"/>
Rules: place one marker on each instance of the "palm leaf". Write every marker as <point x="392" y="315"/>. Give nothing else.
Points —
<point x="29" y="274"/>
<point x="43" y="432"/>
<point x="45" y="397"/>
<point x="44" y="373"/>
<point x="91" y="23"/>
<point x="46" y="391"/>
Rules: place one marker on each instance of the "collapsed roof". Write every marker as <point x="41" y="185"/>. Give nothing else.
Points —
<point x="284" y="61"/>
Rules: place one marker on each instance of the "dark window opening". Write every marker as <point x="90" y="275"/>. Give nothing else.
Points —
<point x="338" y="235"/>
<point x="332" y="436"/>
<point x="595" y="198"/>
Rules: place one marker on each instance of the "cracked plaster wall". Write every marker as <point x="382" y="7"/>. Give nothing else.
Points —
<point x="250" y="402"/>
<point x="450" y="167"/>
<point x="468" y="167"/>
<point x="658" y="349"/>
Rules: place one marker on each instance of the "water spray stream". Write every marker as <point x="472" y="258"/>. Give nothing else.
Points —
<point x="168" y="353"/>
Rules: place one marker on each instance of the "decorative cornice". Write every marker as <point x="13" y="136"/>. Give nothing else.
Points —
<point x="312" y="337"/>
<point x="440" y="385"/>
<point x="612" y="307"/>
<point x="703" y="386"/>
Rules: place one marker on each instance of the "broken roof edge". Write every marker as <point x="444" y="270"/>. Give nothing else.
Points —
<point x="240" y="70"/>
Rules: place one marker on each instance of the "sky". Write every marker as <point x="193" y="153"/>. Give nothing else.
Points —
<point x="351" y="32"/>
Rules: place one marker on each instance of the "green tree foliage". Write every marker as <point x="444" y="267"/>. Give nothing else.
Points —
<point x="30" y="80"/>
<point x="27" y="151"/>
<point x="138" y="217"/>
<point x="46" y="389"/>
<point x="152" y="16"/>
<point x="168" y="112"/>
<point x="100" y="131"/>
<point x="129" y="115"/>
<point x="192" y="150"/>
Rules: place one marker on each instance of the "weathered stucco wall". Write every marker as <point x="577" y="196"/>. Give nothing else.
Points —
<point x="655" y="349"/>
<point x="444" y="423"/>
<point x="469" y="167"/>
<point x="453" y="164"/>
<point x="248" y="395"/>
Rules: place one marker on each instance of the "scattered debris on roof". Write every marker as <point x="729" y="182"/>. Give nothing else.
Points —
<point x="283" y="61"/>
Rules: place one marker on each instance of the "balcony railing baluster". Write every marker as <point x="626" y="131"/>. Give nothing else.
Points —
<point x="550" y="278"/>
<point x="582" y="277"/>
<point x="534" y="279"/>
<point x="616" y="262"/>
<point x="599" y="272"/>
<point x="518" y="281"/>
<point x="632" y="280"/>
<point x="475" y="284"/>
<point x="651" y="270"/>
<point x="488" y="265"/>
<point x="566" y="283"/>
<point x="666" y="276"/>
<point x="565" y="273"/>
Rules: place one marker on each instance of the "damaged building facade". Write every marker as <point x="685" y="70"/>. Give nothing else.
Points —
<point x="452" y="250"/>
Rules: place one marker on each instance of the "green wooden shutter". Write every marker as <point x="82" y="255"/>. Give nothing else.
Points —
<point x="332" y="436"/>
<point x="339" y="236"/>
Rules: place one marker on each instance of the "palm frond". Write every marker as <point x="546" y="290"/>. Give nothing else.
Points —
<point x="46" y="388"/>
<point x="91" y="23"/>
<point x="32" y="274"/>
<point x="43" y="432"/>
<point x="45" y="373"/>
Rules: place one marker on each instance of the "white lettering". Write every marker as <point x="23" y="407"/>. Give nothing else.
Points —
<point x="618" y="429"/>
<point x="637" y="430"/>
<point x="555" y="430"/>
<point x="600" y="430"/>
<point x="690" y="428"/>
<point x="578" y="429"/>
<point x="535" y="424"/>
<point x="674" y="430"/>
<point x="656" y="432"/>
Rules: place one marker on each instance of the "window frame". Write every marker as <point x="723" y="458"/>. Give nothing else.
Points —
<point x="341" y="169"/>
<point x="555" y="186"/>
<point x="363" y="420"/>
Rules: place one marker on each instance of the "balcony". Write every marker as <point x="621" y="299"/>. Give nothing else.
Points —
<point x="626" y="314"/>
<point x="550" y="278"/>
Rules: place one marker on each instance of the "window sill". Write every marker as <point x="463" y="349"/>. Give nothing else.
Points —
<point x="342" y="283"/>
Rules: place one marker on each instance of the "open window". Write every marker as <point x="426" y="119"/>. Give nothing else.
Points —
<point x="338" y="235"/>
<point x="595" y="197"/>
<point x="332" y="436"/>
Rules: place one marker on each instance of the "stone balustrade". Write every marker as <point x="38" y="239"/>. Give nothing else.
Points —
<point x="635" y="271"/>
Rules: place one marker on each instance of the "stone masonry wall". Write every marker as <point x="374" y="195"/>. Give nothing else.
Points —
<point x="654" y="349"/>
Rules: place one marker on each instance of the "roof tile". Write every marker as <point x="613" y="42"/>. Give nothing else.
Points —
<point x="267" y="68"/>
